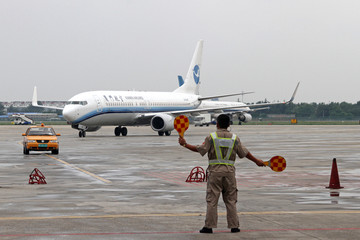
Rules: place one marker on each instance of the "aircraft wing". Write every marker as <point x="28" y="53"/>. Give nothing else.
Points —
<point x="221" y="96"/>
<point x="246" y="111"/>
<point x="35" y="102"/>
<point x="241" y="108"/>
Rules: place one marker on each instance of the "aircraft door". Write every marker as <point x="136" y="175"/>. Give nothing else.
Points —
<point x="147" y="105"/>
<point x="98" y="103"/>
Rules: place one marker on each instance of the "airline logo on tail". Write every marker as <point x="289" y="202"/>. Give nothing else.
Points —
<point x="196" y="73"/>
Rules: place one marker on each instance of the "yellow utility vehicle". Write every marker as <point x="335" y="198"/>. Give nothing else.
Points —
<point x="41" y="138"/>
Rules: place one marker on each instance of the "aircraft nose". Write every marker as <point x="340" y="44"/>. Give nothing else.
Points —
<point x="69" y="114"/>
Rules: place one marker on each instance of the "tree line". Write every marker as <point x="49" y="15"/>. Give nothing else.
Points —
<point x="333" y="110"/>
<point x="28" y="109"/>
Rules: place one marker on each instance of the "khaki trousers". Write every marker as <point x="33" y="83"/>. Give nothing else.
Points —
<point x="224" y="183"/>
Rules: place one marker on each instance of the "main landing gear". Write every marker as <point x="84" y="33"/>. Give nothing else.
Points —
<point x="120" y="130"/>
<point x="167" y="133"/>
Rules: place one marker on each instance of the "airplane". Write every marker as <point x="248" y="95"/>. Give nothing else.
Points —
<point x="89" y="111"/>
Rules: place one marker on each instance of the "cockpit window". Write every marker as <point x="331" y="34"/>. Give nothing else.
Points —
<point x="78" y="103"/>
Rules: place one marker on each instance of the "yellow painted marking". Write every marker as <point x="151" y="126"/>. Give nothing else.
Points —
<point x="79" y="169"/>
<point x="179" y="215"/>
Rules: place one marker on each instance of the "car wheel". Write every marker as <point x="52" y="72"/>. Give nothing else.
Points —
<point x="26" y="151"/>
<point x="56" y="151"/>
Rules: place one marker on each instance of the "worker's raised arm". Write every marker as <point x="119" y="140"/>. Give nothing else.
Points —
<point x="183" y="143"/>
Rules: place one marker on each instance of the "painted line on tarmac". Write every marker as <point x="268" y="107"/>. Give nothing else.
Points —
<point x="79" y="169"/>
<point x="301" y="212"/>
<point x="179" y="232"/>
<point x="177" y="215"/>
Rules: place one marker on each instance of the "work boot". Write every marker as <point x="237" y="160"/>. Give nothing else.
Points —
<point x="206" y="230"/>
<point x="235" y="230"/>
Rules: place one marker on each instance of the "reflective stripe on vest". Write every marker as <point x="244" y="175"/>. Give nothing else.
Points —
<point x="222" y="142"/>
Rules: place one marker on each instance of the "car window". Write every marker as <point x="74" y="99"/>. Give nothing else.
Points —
<point x="41" y="132"/>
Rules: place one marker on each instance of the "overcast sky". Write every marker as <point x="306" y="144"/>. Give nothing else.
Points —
<point x="65" y="47"/>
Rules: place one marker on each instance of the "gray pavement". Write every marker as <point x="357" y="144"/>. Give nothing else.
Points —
<point x="107" y="187"/>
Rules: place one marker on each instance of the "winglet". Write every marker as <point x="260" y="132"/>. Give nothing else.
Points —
<point x="34" y="99"/>
<point x="35" y="102"/>
<point x="293" y="96"/>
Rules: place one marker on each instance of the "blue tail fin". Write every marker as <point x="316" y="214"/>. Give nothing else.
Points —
<point x="181" y="81"/>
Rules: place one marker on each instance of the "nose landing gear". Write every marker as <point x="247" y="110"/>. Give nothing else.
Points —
<point x="82" y="133"/>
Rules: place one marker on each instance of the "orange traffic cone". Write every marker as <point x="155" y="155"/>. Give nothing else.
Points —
<point x="334" y="178"/>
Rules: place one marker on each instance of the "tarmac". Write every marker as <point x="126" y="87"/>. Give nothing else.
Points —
<point x="133" y="187"/>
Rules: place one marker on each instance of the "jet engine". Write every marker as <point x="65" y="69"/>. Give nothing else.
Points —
<point x="245" y="117"/>
<point x="162" y="122"/>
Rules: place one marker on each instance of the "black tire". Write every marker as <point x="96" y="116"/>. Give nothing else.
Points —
<point x="26" y="151"/>
<point x="168" y="133"/>
<point x="124" y="131"/>
<point x="82" y="133"/>
<point x="55" y="151"/>
<point x="117" y="131"/>
<point x="161" y="133"/>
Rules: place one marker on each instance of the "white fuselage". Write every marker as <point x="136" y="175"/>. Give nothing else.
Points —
<point x="122" y="108"/>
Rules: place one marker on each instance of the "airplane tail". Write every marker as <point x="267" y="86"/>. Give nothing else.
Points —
<point x="192" y="80"/>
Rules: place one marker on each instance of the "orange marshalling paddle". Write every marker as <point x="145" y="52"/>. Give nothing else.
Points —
<point x="276" y="163"/>
<point x="181" y="124"/>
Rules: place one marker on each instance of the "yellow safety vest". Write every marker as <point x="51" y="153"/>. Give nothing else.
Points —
<point x="223" y="143"/>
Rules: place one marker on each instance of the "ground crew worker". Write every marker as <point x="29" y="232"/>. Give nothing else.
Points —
<point x="222" y="147"/>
